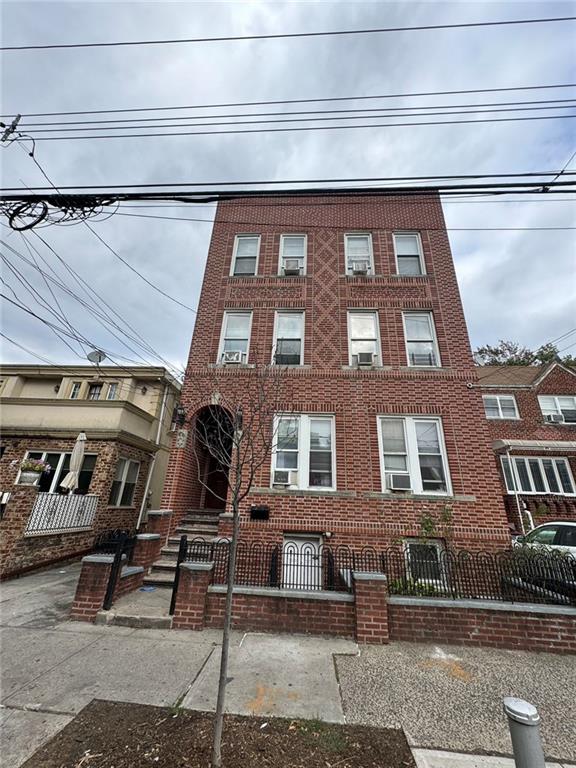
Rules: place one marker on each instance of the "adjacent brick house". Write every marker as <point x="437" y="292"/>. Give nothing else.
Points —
<point x="126" y="415"/>
<point x="531" y="417"/>
<point x="357" y="296"/>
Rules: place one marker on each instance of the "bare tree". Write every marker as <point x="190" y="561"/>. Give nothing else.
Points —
<point x="237" y="430"/>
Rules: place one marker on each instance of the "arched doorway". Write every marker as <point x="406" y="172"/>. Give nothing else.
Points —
<point x="213" y="433"/>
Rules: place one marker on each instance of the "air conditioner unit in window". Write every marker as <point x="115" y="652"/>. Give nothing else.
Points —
<point x="292" y="266"/>
<point x="399" y="483"/>
<point x="569" y="415"/>
<point x="360" y="267"/>
<point x="365" y="358"/>
<point x="554" y="418"/>
<point x="285" y="477"/>
<point x="232" y="357"/>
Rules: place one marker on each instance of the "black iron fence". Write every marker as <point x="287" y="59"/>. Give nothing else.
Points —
<point x="120" y="543"/>
<point x="521" y="574"/>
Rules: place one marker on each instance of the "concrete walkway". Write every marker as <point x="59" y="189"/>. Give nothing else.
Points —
<point x="447" y="698"/>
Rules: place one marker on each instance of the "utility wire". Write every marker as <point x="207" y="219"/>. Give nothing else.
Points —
<point x="290" y="35"/>
<point x="305" y="128"/>
<point x="295" y="101"/>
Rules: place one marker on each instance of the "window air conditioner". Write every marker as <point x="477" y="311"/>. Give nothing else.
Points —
<point x="360" y="267"/>
<point x="365" y="358"/>
<point x="554" y="418"/>
<point x="292" y="266"/>
<point x="399" y="483"/>
<point x="285" y="477"/>
<point x="232" y="357"/>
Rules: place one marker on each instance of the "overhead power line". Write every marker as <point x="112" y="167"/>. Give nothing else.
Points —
<point x="297" y="101"/>
<point x="289" y="35"/>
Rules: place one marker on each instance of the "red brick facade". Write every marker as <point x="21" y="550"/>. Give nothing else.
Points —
<point x="531" y="426"/>
<point x="357" y="512"/>
<point x="20" y="552"/>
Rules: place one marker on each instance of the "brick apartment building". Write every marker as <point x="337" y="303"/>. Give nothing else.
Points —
<point x="357" y="296"/>
<point x="531" y="414"/>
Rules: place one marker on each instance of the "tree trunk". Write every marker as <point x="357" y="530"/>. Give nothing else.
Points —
<point x="219" y="716"/>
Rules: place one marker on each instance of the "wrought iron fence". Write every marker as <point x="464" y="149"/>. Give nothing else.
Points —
<point x="59" y="513"/>
<point x="520" y="575"/>
<point x="120" y="543"/>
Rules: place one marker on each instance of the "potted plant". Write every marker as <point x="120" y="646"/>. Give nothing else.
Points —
<point x="30" y="471"/>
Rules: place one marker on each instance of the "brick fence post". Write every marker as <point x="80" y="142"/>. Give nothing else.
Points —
<point x="91" y="588"/>
<point x="158" y="521"/>
<point x="371" y="602"/>
<point x="147" y="550"/>
<point x="195" y="579"/>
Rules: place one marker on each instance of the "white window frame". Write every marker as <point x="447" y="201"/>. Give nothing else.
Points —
<point x="420" y="253"/>
<point x="122" y="485"/>
<point x="500" y="412"/>
<point x="376" y="316"/>
<point x="303" y="466"/>
<point x="277" y="314"/>
<point x="281" y="256"/>
<point x="348" y="269"/>
<point x="434" y="338"/>
<point x="57" y="469"/>
<point x="439" y="547"/>
<point x="113" y="387"/>
<point x="225" y="316"/>
<point x="76" y="390"/>
<point x="237" y="239"/>
<point x="558" y="411"/>
<point x="412" y="462"/>
<point x="516" y="479"/>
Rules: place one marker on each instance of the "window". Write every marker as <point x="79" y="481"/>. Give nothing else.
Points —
<point x="49" y="482"/>
<point x="235" y="338"/>
<point x="363" y="338"/>
<point x="245" y="257"/>
<point x="412" y="455"/>
<point x="112" y="393"/>
<point x="408" y="250"/>
<point x="75" y="391"/>
<point x="545" y="535"/>
<point x="561" y="406"/>
<point x="424" y="560"/>
<point x="358" y="248"/>
<point x="288" y="338"/>
<point x="534" y="474"/>
<point x="500" y="407"/>
<point x="303" y="455"/>
<point x="94" y="391"/>
<point x="293" y="254"/>
<point x="421" y="345"/>
<point x="122" y="491"/>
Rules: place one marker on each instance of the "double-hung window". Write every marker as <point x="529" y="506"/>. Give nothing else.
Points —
<point x="561" y="408"/>
<point x="413" y="455"/>
<point x="408" y="250"/>
<point x="245" y="257"/>
<point x="112" y="392"/>
<point x="235" y="338"/>
<point x="49" y="481"/>
<point x="75" y="391"/>
<point x="358" y="249"/>
<point x="288" y="338"/>
<point x="303" y="455"/>
<point x="293" y="254"/>
<point x="363" y="338"/>
<point x="124" y="483"/>
<point x="534" y="474"/>
<point x="421" y="344"/>
<point x="94" y="391"/>
<point x="500" y="407"/>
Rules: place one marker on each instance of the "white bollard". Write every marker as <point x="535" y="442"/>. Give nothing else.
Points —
<point x="524" y="724"/>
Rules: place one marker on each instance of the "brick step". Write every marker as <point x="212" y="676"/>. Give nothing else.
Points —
<point x="163" y="565"/>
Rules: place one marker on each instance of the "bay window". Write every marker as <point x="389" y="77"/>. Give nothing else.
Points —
<point x="535" y="474"/>
<point x="303" y="454"/>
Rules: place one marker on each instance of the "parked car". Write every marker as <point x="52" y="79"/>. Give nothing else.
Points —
<point x="558" y="536"/>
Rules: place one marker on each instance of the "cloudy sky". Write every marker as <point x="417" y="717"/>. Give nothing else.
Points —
<point x="515" y="284"/>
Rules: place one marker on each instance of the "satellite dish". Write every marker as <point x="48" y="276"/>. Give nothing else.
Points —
<point x="96" y="356"/>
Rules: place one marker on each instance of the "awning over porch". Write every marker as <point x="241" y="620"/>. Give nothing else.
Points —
<point x="534" y="445"/>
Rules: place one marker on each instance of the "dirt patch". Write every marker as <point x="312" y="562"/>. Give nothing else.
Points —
<point x="109" y="734"/>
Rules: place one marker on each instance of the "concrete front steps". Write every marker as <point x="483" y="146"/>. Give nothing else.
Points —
<point x="197" y="525"/>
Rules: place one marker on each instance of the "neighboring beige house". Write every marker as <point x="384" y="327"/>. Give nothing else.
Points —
<point x="126" y="414"/>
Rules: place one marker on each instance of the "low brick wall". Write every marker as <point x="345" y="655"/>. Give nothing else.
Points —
<point x="277" y="610"/>
<point x="131" y="578"/>
<point x="483" y="623"/>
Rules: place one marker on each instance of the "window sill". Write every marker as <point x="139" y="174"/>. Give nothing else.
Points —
<point x="417" y="496"/>
<point x="497" y="418"/>
<point x="303" y="492"/>
<point x="118" y="506"/>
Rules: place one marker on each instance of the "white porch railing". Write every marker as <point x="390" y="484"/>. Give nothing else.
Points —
<point x="56" y="513"/>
